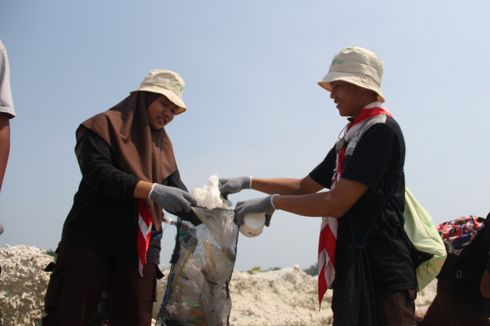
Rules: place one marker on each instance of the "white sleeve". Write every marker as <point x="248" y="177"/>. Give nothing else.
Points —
<point x="6" y="101"/>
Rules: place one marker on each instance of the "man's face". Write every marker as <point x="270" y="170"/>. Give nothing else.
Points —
<point x="348" y="97"/>
<point x="161" y="112"/>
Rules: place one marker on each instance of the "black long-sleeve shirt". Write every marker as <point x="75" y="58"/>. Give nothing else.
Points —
<point x="103" y="217"/>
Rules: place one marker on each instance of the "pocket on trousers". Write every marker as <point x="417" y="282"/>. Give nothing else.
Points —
<point x="54" y="289"/>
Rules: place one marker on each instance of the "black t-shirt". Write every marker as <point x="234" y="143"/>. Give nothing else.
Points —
<point x="377" y="162"/>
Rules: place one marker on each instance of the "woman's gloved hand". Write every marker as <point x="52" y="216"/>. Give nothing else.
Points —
<point x="173" y="200"/>
<point x="234" y="185"/>
<point x="258" y="205"/>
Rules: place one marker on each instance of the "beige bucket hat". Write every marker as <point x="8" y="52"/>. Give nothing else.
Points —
<point x="167" y="83"/>
<point x="357" y="66"/>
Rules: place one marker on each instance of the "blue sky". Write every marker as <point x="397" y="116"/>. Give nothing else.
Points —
<point x="251" y="69"/>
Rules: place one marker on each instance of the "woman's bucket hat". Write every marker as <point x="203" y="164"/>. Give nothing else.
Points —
<point x="167" y="83"/>
<point x="357" y="66"/>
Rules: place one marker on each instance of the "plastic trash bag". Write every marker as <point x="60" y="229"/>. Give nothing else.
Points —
<point x="197" y="290"/>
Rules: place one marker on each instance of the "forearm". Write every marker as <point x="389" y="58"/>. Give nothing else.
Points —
<point x="485" y="283"/>
<point x="4" y="146"/>
<point x="142" y="189"/>
<point x="333" y="203"/>
<point x="313" y="205"/>
<point x="283" y="186"/>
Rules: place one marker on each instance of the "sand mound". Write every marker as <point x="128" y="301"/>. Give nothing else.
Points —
<point x="280" y="297"/>
<point x="23" y="284"/>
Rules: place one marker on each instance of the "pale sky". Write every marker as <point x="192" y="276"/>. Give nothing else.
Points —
<point x="251" y="69"/>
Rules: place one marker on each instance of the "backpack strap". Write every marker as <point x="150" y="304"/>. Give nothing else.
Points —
<point x="371" y="226"/>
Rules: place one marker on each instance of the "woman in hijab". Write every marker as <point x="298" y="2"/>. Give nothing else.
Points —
<point x="111" y="236"/>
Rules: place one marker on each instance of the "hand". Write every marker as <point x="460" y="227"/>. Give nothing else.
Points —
<point x="234" y="185"/>
<point x="258" y="205"/>
<point x="173" y="200"/>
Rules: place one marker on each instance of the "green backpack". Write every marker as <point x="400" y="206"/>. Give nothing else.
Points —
<point x="428" y="250"/>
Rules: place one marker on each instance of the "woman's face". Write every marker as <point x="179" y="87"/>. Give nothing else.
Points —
<point x="161" y="112"/>
<point x="349" y="98"/>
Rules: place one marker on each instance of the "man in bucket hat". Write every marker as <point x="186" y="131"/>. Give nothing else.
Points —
<point x="363" y="173"/>
<point x="111" y="236"/>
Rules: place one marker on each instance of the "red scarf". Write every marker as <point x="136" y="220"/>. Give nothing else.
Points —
<point x="328" y="231"/>
<point x="143" y="237"/>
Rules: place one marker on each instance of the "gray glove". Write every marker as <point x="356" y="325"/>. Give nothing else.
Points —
<point x="258" y="205"/>
<point x="173" y="200"/>
<point x="234" y="185"/>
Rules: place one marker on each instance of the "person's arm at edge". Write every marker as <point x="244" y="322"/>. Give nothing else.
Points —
<point x="333" y="203"/>
<point x="4" y="144"/>
<point x="485" y="281"/>
<point x="485" y="285"/>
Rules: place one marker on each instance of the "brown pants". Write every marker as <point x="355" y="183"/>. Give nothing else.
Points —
<point x="450" y="308"/>
<point x="78" y="280"/>
<point x="393" y="308"/>
<point x="396" y="308"/>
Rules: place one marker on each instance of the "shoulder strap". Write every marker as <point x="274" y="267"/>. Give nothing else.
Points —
<point x="371" y="226"/>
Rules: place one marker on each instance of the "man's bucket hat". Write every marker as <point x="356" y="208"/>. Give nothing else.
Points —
<point x="167" y="83"/>
<point x="357" y="66"/>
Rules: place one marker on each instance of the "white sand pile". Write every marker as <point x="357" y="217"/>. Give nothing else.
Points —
<point x="281" y="297"/>
<point x="288" y="297"/>
<point x="23" y="284"/>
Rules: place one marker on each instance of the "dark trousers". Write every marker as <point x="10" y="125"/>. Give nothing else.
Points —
<point x="395" y="308"/>
<point x="78" y="280"/>
<point x="451" y="308"/>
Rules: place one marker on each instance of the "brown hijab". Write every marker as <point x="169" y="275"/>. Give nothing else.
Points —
<point x="139" y="150"/>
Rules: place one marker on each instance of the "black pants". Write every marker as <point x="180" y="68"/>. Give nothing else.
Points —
<point x="78" y="280"/>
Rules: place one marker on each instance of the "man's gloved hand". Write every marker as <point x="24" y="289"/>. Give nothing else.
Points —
<point x="258" y="205"/>
<point x="234" y="185"/>
<point x="172" y="199"/>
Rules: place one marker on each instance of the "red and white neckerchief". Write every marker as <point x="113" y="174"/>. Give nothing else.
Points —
<point x="143" y="237"/>
<point x="368" y="116"/>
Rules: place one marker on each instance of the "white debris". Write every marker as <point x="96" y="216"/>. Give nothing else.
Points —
<point x="209" y="196"/>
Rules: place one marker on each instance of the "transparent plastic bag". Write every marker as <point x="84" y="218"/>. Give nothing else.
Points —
<point x="197" y="289"/>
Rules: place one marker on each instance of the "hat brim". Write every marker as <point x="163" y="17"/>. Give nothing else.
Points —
<point x="352" y="79"/>
<point x="168" y="94"/>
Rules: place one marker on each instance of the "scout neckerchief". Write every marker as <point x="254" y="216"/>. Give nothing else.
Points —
<point x="372" y="114"/>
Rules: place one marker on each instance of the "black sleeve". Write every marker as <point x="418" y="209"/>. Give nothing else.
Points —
<point x="99" y="171"/>
<point x="323" y="172"/>
<point x="174" y="180"/>
<point x="372" y="156"/>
